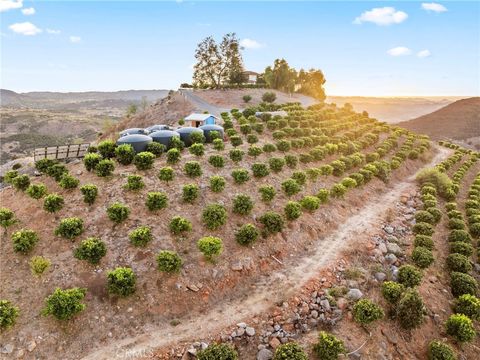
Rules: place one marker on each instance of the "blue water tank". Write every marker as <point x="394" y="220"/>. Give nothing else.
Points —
<point x="185" y="133"/>
<point x="139" y="142"/>
<point x="207" y="129"/>
<point x="158" y="127"/>
<point x="133" y="131"/>
<point x="164" y="136"/>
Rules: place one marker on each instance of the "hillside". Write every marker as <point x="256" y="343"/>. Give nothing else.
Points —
<point x="459" y="121"/>
<point x="393" y="109"/>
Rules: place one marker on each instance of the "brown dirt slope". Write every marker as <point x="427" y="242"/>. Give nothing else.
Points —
<point x="460" y="120"/>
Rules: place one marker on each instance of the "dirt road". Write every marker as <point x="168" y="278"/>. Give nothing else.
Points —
<point x="278" y="285"/>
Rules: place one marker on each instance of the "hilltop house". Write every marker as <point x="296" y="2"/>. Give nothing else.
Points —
<point x="250" y="77"/>
<point x="196" y="119"/>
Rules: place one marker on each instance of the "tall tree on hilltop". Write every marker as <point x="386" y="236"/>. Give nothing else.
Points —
<point x="218" y="64"/>
<point x="311" y="83"/>
<point x="281" y="76"/>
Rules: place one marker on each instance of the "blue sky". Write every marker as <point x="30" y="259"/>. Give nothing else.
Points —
<point x="383" y="48"/>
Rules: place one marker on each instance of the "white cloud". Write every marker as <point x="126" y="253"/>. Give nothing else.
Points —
<point x="25" y="28"/>
<point x="399" y="51"/>
<point x="75" y="39"/>
<point x="28" y="11"/>
<point x="382" y="16"/>
<point x="52" y="31"/>
<point x="424" y="53"/>
<point x="438" y="8"/>
<point x="250" y="44"/>
<point x="6" y="5"/>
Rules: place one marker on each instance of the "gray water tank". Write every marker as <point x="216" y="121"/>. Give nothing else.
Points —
<point x="185" y="133"/>
<point x="157" y="127"/>
<point x="164" y="136"/>
<point x="132" y="131"/>
<point x="207" y="129"/>
<point x="139" y="142"/>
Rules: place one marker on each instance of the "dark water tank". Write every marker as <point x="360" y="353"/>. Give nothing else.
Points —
<point x="139" y="142"/>
<point x="158" y="127"/>
<point x="185" y="133"/>
<point x="132" y="131"/>
<point x="164" y="136"/>
<point x="207" y="129"/>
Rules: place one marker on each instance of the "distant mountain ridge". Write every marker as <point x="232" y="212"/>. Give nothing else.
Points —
<point x="459" y="120"/>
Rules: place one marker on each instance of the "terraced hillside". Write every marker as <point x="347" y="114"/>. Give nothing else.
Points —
<point x="147" y="245"/>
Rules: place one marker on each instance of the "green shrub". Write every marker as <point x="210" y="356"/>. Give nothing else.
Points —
<point x="53" y="203"/>
<point x="69" y="182"/>
<point x="291" y="187"/>
<point x="236" y="155"/>
<point x="291" y="161"/>
<point x="38" y="265"/>
<point x="392" y="291"/>
<point x="166" y="174"/>
<point x="169" y="261"/>
<point x="242" y="204"/>
<point x="21" y="182"/>
<point x="310" y="203"/>
<point x="424" y="216"/>
<point x="89" y="193"/>
<point x="475" y="229"/>
<point x="176" y="143"/>
<point x="267" y="193"/>
<point x="468" y="305"/>
<point x="217" y="183"/>
<point x="423" y="241"/>
<point x="290" y="351"/>
<point x="37" y="191"/>
<point x="144" y="160"/>
<point x="438" y="350"/>
<point x="423" y="228"/>
<point x="461" y="284"/>
<point x="217" y="161"/>
<point x="247" y="234"/>
<point x="276" y="164"/>
<point x="117" y="212"/>
<point x="9" y="176"/>
<point x="134" y="182"/>
<point x="107" y="149"/>
<point x="454" y="214"/>
<point x="90" y="161"/>
<point x="42" y="165"/>
<point x="197" y="149"/>
<point x="338" y="191"/>
<point x="56" y="171"/>
<point x="155" y="148"/>
<point x="236" y="140"/>
<point x="125" y="154"/>
<point x="458" y="263"/>
<point x="218" y="144"/>
<point x="190" y="193"/>
<point x="269" y="148"/>
<point x="459" y="235"/>
<point x="91" y="249"/>
<point x="440" y="180"/>
<point x="460" y="327"/>
<point x="210" y="247"/>
<point x="24" y="240"/>
<point x="456" y="224"/>
<point x="328" y="347"/>
<point x="156" y="200"/>
<point x="410" y="310"/>
<point x="300" y="177"/>
<point x="451" y="206"/>
<point x="409" y="276"/>
<point x="283" y="145"/>
<point x="422" y="257"/>
<point x="436" y="214"/>
<point x="121" y="281"/>
<point x="105" y="168"/>
<point x="173" y="156"/>
<point x="141" y="236"/>
<point x="214" y="216"/>
<point x="7" y="218"/>
<point x="240" y="176"/>
<point x="366" y="312"/>
<point x="8" y="314"/>
<point x="217" y="352"/>
<point x="463" y="248"/>
<point x="179" y="225"/>
<point x="293" y="210"/>
<point x="254" y="151"/>
<point x="192" y="169"/>
<point x="65" y="304"/>
<point x="197" y="137"/>
<point x="260" y="170"/>
<point x="70" y="227"/>
<point x="272" y="223"/>
<point x="348" y="183"/>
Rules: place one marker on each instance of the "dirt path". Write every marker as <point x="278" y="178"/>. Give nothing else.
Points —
<point x="278" y="285"/>
<point x="200" y="104"/>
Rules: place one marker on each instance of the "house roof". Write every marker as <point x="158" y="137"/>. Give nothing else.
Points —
<point x="199" y="117"/>
<point x="250" y="73"/>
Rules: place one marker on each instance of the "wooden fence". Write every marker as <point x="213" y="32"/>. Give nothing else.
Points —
<point x="70" y="151"/>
